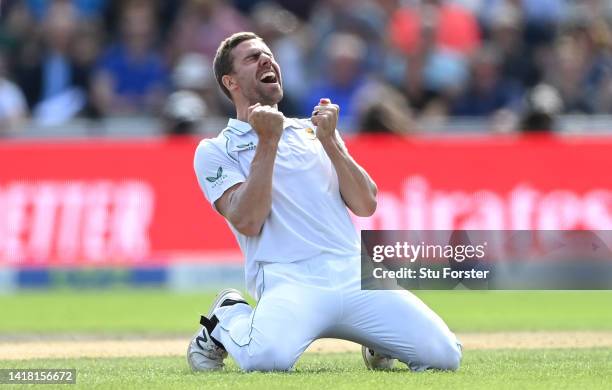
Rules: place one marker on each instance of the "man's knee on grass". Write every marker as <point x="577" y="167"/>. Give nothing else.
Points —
<point x="439" y="355"/>
<point x="269" y="358"/>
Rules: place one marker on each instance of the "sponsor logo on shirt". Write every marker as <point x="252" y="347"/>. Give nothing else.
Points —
<point x="249" y="146"/>
<point x="217" y="180"/>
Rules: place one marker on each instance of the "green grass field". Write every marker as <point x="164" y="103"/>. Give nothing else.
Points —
<point x="150" y="313"/>
<point x="550" y="369"/>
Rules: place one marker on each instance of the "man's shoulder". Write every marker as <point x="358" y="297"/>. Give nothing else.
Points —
<point x="216" y="144"/>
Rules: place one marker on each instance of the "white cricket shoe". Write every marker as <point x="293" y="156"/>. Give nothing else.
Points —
<point x="204" y="353"/>
<point x="375" y="361"/>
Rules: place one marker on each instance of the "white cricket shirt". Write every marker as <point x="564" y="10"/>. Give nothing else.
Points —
<point x="308" y="215"/>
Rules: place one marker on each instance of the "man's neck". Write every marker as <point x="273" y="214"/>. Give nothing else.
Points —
<point x="242" y="112"/>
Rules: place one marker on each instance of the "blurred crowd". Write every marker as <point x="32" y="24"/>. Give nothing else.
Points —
<point x="391" y="65"/>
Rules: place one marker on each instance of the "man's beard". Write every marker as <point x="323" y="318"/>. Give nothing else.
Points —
<point x="266" y="98"/>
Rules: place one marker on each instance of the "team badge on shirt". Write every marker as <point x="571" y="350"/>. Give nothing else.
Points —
<point x="311" y="133"/>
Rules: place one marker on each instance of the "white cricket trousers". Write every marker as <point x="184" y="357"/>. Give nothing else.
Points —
<point x="321" y="297"/>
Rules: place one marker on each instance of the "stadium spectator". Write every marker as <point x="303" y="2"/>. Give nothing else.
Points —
<point x="365" y="19"/>
<point x="382" y="109"/>
<point x="193" y="72"/>
<point x="542" y="18"/>
<point x="17" y="24"/>
<point x="544" y="104"/>
<point x="85" y="51"/>
<point x="86" y="9"/>
<point x="201" y="24"/>
<point x="300" y="8"/>
<point x="579" y="65"/>
<point x="55" y="85"/>
<point x="13" y="107"/>
<point x="131" y="77"/>
<point x="456" y="27"/>
<point x="344" y="76"/>
<point x="165" y="13"/>
<point x="586" y="88"/>
<point x="487" y="92"/>
<point x="435" y="74"/>
<point x="506" y="30"/>
<point x="183" y="113"/>
<point x="539" y="19"/>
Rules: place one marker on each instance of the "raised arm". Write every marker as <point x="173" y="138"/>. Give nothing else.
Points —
<point x="247" y="205"/>
<point x="356" y="187"/>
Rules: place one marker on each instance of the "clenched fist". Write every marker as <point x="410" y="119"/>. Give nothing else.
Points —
<point x="325" y="117"/>
<point x="267" y="122"/>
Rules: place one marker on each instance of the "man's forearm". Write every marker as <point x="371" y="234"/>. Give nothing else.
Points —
<point x="356" y="187"/>
<point x="250" y="205"/>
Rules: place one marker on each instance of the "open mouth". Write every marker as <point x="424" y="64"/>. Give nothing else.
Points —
<point x="268" y="77"/>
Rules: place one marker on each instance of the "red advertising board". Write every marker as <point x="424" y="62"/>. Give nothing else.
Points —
<point x="102" y="202"/>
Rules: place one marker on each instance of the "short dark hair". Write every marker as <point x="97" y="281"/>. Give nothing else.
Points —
<point x="223" y="62"/>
